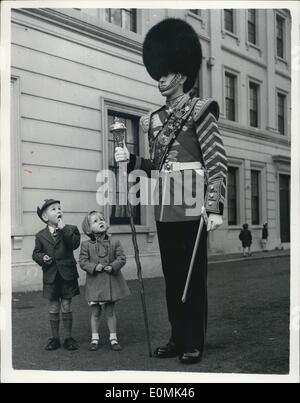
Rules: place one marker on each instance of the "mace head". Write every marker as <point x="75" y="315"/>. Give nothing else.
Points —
<point x="117" y="125"/>
<point x="118" y="130"/>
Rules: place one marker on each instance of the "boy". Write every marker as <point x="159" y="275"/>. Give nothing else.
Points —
<point x="264" y="237"/>
<point x="54" y="246"/>
<point x="245" y="237"/>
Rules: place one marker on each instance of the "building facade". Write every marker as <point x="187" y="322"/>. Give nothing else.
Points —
<point x="74" y="70"/>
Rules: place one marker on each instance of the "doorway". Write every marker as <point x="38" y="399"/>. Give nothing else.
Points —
<point x="284" y="201"/>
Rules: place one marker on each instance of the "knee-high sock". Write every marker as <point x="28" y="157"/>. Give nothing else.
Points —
<point x="67" y="318"/>
<point x="54" y="323"/>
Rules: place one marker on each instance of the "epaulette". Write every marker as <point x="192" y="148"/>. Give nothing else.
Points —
<point x="202" y="105"/>
<point x="145" y="119"/>
<point x="145" y="122"/>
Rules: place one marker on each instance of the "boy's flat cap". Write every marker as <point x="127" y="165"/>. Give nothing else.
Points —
<point x="47" y="203"/>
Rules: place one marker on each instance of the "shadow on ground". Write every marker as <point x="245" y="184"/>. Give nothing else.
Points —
<point x="248" y="329"/>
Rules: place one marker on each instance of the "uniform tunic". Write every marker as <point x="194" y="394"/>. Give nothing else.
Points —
<point x="199" y="141"/>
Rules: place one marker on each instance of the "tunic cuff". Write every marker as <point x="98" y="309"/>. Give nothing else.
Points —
<point x="214" y="199"/>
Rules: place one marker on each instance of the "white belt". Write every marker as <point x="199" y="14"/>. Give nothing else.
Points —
<point x="181" y="166"/>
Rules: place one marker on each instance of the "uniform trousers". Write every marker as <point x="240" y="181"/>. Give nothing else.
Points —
<point x="188" y="320"/>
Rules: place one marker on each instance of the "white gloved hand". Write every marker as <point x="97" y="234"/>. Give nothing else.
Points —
<point x="122" y="154"/>
<point x="214" y="221"/>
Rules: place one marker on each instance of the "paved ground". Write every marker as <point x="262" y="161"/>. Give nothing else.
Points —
<point x="248" y="330"/>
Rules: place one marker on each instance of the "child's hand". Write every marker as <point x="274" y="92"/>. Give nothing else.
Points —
<point x="108" y="269"/>
<point x="60" y="223"/>
<point x="99" y="268"/>
<point x="47" y="259"/>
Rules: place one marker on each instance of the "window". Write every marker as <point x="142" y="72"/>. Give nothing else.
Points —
<point x="252" y="26"/>
<point x="122" y="17"/>
<point x="118" y="214"/>
<point x="280" y="36"/>
<point x="285" y="205"/>
<point x="253" y="90"/>
<point x="281" y="113"/>
<point x="232" y="195"/>
<point x="255" y="197"/>
<point x="228" y="20"/>
<point x="230" y="96"/>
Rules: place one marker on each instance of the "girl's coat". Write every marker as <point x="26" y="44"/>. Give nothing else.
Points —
<point x="103" y="286"/>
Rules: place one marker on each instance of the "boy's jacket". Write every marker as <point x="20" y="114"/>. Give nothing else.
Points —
<point x="60" y="250"/>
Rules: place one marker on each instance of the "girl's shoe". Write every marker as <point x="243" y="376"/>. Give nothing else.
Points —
<point x="114" y="345"/>
<point x="94" y="345"/>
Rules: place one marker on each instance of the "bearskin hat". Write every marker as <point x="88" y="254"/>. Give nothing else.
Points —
<point x="172" y="46"/>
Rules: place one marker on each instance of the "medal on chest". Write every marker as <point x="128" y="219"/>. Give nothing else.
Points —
<point x="171" y="128"/>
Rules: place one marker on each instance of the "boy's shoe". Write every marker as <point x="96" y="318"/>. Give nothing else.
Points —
<point x="53" y="344"/>
<point x="94" y="345"/>
<point x="70" y="344"/>
<point x="114" y="345"/>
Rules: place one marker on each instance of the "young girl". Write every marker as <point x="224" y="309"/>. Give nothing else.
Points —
<point x="102" y="258"/>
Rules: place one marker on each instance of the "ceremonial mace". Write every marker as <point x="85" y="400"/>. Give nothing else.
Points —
<point x="118" y="130"/>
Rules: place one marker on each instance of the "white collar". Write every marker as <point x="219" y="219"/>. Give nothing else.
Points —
<point x="52" y="229"/>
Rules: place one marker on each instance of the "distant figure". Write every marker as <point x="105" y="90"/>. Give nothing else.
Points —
<point x="264" y="237"/>
<point x="246" y="239"/>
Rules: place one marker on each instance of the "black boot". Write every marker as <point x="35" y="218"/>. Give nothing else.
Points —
<point x="170" y="350"/>
<point x="192" y="357"/>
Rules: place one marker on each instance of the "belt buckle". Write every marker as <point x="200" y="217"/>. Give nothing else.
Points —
<point x="167" y="167"/>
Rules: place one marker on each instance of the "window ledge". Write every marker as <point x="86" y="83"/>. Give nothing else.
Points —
<point x="239" y="227"/>
<point x="197" y="17"/>
<point x="234" y="227"/>
<point x="236" y="128"/>
<point x="281" y="59"/>
<point x="89" y="27"/>
<point x="231" y="34"/>
<point x="253" y="46"/>
<point x="125" y="229"/>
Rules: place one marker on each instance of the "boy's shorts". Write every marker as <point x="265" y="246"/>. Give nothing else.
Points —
<point x="61" y="288"/>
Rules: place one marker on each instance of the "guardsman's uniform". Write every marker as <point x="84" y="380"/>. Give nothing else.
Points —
<point x="185" y="143"/>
